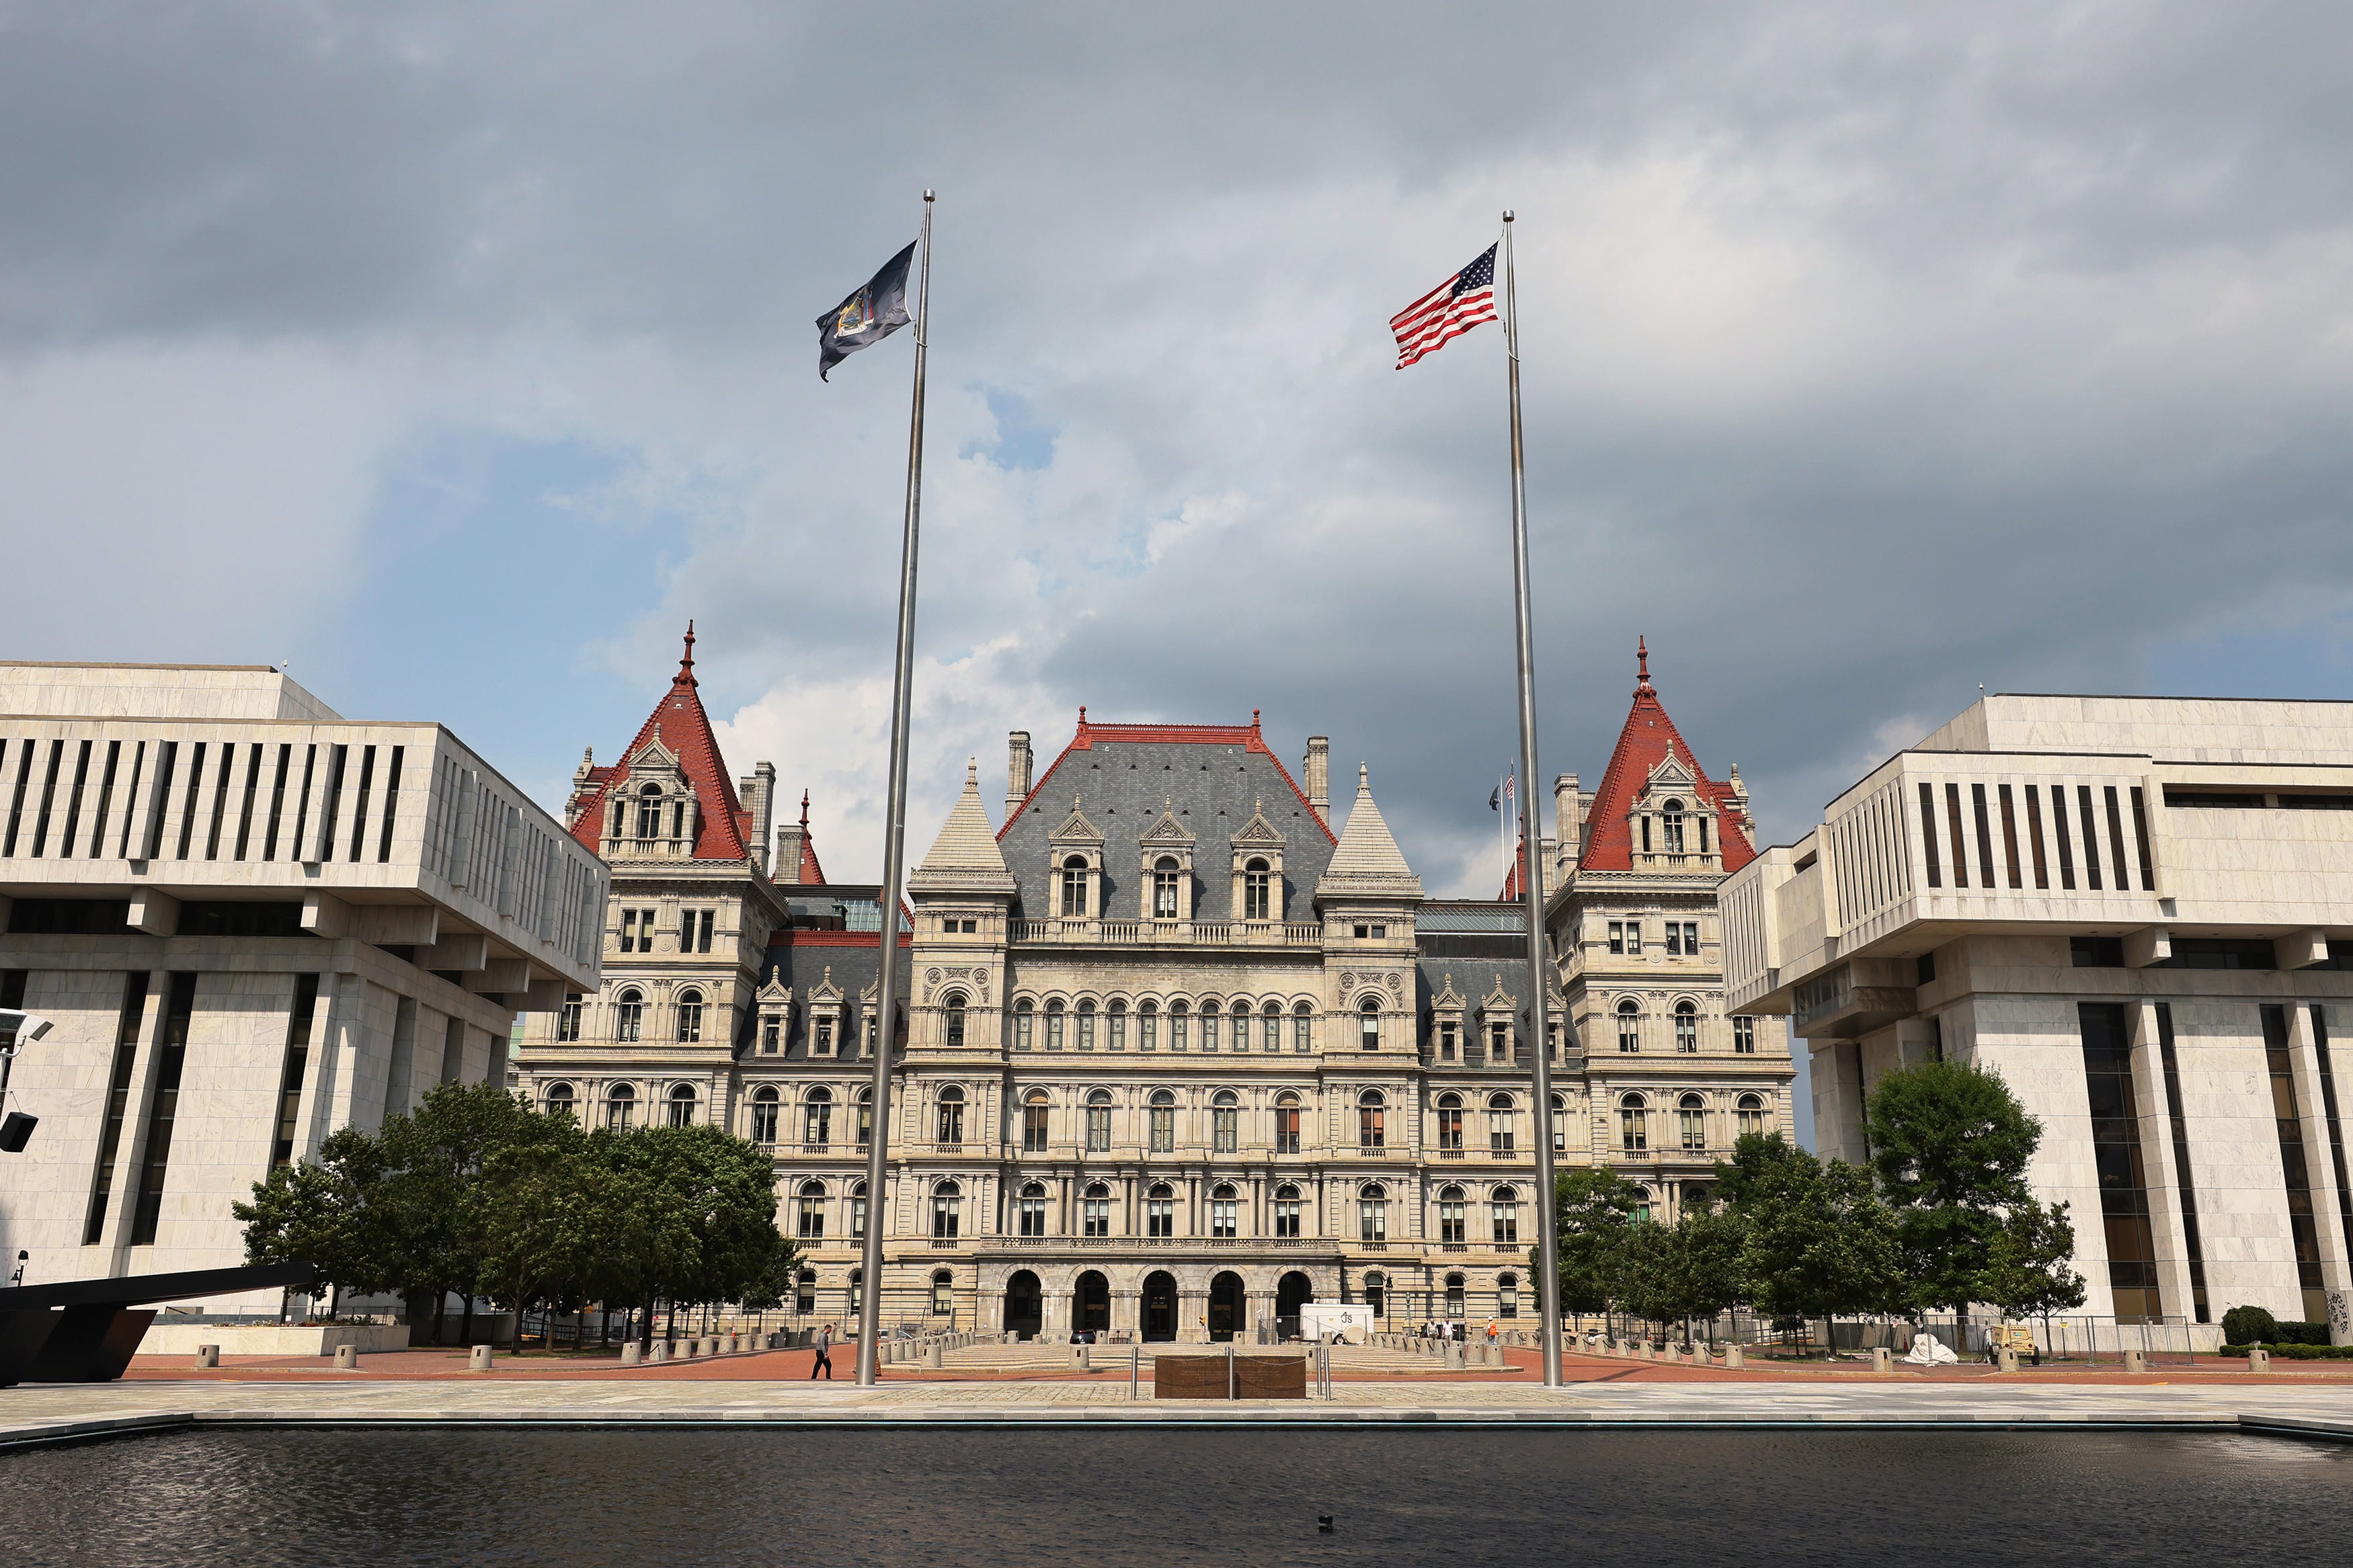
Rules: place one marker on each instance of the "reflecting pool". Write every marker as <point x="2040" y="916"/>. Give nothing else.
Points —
<point x="1107" y="1499"/>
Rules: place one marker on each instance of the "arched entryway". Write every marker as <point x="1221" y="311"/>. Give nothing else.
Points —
<point x="1159" y="1308"/>
<point x="1229" y="1309"/>
<point x="1025" y="1305"/>
<point x="1294" y="1291"/>
<point x="1091" y="1303"/>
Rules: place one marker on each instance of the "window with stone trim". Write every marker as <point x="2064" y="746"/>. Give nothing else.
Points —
<point x="1099" y="1122"/>
<point x="1500" y="1117"/>
<point x="951" y="1115"/>
<point x="1503" y="1216"/>
<point x="1160" y="1212"/>
<point x="1255" y="901"/>
<point x="944" y="1292"/>
<point x="1096" y="1213"/>
<point x="1633" y="1124"/>
<point x="1686" y="1027"/>
<point x="765" y="1108"/>
<point x="1032" y="1213"/>
<point x="1075" y="887"/>
<point x="1164" y="873"/>
<point x="1450" y="1123"/>
<point x="681" y="1106"/>
<point x="620" y="1107"/>
<point x="1691" y="1113"/>
<point x="812" y="1211"/>
<point x="816" y="1117"/>
<point x="947" y="1211"/>
<point x="1743" y="1035"/>
<point x="1373" y="1213"/>
<point x="629" y="1016"/>
<point x="1369" y="1023"/>
<point x="1751" y="1115"/>
<point x="1449" y="1216"/>
<point x="567" y="1022"/>
<point x="1225" y="1119"/>
<point x="1224" y="1213"/>
<point x="1372" y="1120"/>
<point x="690" y="1017"/>
<point x="1034" y="1114"/>
<point x="1286" y="1211"/>
<point x="1163" y="1122"/>
<point x="1301" y="1029"/>
<point x="1630" y="1024"/>
<point x="1024" y="1016"/>
<point x="956" y="1020"/>
<point x="1054" y="1019"/>
<point x="1286" y="1124"/>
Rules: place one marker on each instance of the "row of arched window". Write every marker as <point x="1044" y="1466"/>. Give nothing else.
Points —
<point x="622" y="1109"/>
<point x="630" y="1017"/>
<point x="1690" y="1121"/>
<point x="1210" y="1026"/>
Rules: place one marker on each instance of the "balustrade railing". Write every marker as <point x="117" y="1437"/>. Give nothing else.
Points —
<point x="1227" y="933"/>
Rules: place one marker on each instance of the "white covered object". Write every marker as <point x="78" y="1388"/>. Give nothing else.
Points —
<point x="1927" y="1350"/>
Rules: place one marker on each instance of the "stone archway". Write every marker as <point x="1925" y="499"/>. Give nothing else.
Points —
<point x="1091" y="1302"/>
<point x="1294" y="1292"/>
<point x="1228" y="1307"/>
<point x="1025" y="1305"/>
<point x="1159" y="1307"/>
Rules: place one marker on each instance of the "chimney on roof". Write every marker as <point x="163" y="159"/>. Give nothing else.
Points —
<point x="1017" y="771"/>
<point x="1567" y="830"/>
<point x="792" y="841"/>
<point x="759" y="792"/>
<point x="1318" y="766"/>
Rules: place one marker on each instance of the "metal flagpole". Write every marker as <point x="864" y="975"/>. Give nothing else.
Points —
<point x="894" y="844"/>
<point x="1532" y="880"/>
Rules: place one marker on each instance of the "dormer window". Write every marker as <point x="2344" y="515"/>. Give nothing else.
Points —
<point x="649" y="812"/>
<point x="1255" y="903"/>
<point x="1075" y="887"/>
<point x="1164" y="873"/>
<point x="1671" y="825"/>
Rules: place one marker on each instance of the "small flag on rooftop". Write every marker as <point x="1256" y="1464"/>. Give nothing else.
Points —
<point x="1447" y="311"/>
<point x="867" y="316"/>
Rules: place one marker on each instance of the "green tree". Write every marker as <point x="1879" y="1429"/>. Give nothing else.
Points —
<point x="2030" y="1267"/>
<point x="1817" y="1241"/>
<point x="438" y="1191"/>
<point x="1951" y="1145"/>
<point x="1593" y="1209"/>
<point x="328" y="1213"/>
<point x="695" y="1209"/>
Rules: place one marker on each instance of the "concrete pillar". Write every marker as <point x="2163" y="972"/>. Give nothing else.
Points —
<point x="1734" y="1358"/>
<point x="2155" y="1126"/>
<point x="479" y="1360"/>
<point x="2006" y="1359"/>
<point x="2135" y="1361"/>
<point x="1882" y="1360"/>
<point x="207" y="1357"/>
<point x="348" y="1358"/>
<point x="2258" y="1359"/>
<point x="630" y="1354"/>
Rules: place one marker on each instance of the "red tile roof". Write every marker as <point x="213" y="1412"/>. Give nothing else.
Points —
<point x="681" y="725"/>
<point x="1649" y="739"/>
<point x="1247" y="736"/>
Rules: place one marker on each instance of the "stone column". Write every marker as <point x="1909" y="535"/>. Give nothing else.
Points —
<point x="1192" y="1313"/>
<point x="2153" y="1125"/>
<point x="2319" y="1163"/>
<point x="1127" y="1313"/>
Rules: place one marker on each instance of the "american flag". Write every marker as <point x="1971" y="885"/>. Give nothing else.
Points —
<point x="1447" y="311"/>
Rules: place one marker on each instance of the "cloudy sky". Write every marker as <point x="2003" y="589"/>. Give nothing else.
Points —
<point x="460" y="354"/>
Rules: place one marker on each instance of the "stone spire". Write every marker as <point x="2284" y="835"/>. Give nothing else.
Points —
<point x="965" y="856"/>
<point x="1366" y="861"/>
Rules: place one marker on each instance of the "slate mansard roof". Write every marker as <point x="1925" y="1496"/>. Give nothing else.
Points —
<point x="1214" y="777"/>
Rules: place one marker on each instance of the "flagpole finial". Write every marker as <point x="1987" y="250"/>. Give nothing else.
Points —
<point x="1507" y="215"/>
<point x="1641" y="666"/>
<point x="927" y="192"/>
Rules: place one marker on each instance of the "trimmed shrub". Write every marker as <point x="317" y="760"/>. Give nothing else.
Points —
<point x="2292" y="1333"/>
<point x="2250" y="1326"/>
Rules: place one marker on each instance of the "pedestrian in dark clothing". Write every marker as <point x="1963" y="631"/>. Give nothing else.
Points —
<point x="824" y="1356"/>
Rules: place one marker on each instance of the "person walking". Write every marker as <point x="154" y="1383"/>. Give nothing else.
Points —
<point x="824" y="1354"/>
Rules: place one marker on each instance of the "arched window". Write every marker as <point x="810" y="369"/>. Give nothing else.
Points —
<point x="1633" y="1124"/>
<point x="812" y="1211"/>
<point x="1630" y="1024"/>
<point x="1087" y="1024"/>
<point x="1692" y="1113"/>
<point x="1179" y="1014"/>
<point x="857" y="1211"/>
<point x="804" y="1293"/>
<point x="816" y="1117"/>
<point x="856" y="1280"/>
<point x="1449" y="1216"/>
<point x="1075" y="887"/>
<point x="559" y="1100"/>
<point x="1560" y="1124"/>
<point x="1686" y="1027"/>
<point x="1225" y="1122"/>
<point x="1115" y="1024"/>
<point x="1224" y="1224"/>
<point x="1033" y="1210"/>
<point x="1054" y="1025"/>
<point x="1751" y="1112"/>
<point x="1372" y="1213"/>
<point x="1035" y="1111"/>
<point x="629" y="1015"/>
<point x="1163" y="1122"/>
<point x="1671" y="825"/>
<point x="1369" y="1023"/>
<point x="1372" y="1120"/>
<point x="1241" y="1025"/>
<point x="681" y="1106"/>
<point x="1209" y="1016"/>
<point x="1500" y="1107"/>
<point x="1148" y="1026"/>
<point x="1163" y="888"/>
<point x="690" y="1017"/>
<point x="1286" y="1211"/>
<point x="1286" y="1123"/>
<point x="951" y="1115"/>
<point x="1159" y="1212"/>
<point x="1271" y="1033"/>
<point x="1454" y="1295"/>
<point x="956" y="1020"/>
<point x="1507" y="1294"/>
<point x="1255" y="903"/>
<point x="942" y="1293"/>
<point x="1503" y="1210"/>
<point x="649" y="812"/>
<point x="1024" y="1014"/>
<point x="1096" y="1211"/>
<point x="865" y="1116"/>
<point x="620" y="1107"/>
<point x="947" y="1204"/>
<point x="1300" y="1029"/>
<point x="763" y="1114"/>
<point x="1099" y="1122"/>
<point x="1377" y="1293"/>
<point x="1450" y="1123"/>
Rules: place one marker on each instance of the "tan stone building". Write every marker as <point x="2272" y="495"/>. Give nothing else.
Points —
<point x="2138" y="911"/>
<point x="250" y="922"/>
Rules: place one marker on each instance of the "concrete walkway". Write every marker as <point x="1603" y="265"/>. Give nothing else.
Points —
<point x="69" y="1411"/>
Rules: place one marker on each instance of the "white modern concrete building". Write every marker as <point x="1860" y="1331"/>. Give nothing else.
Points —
<point x="251" y="921"/>
<point x="2140" y="912"/>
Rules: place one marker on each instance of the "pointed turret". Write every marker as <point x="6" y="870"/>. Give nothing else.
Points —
<point x="964" y="857"/>
<point x="1366" y="862"/>
<point x="1651" y="765"/>
<point x="676" y="756"/>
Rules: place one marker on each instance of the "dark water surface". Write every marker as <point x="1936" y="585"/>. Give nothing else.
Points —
<point x="1109" y="1498"/>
